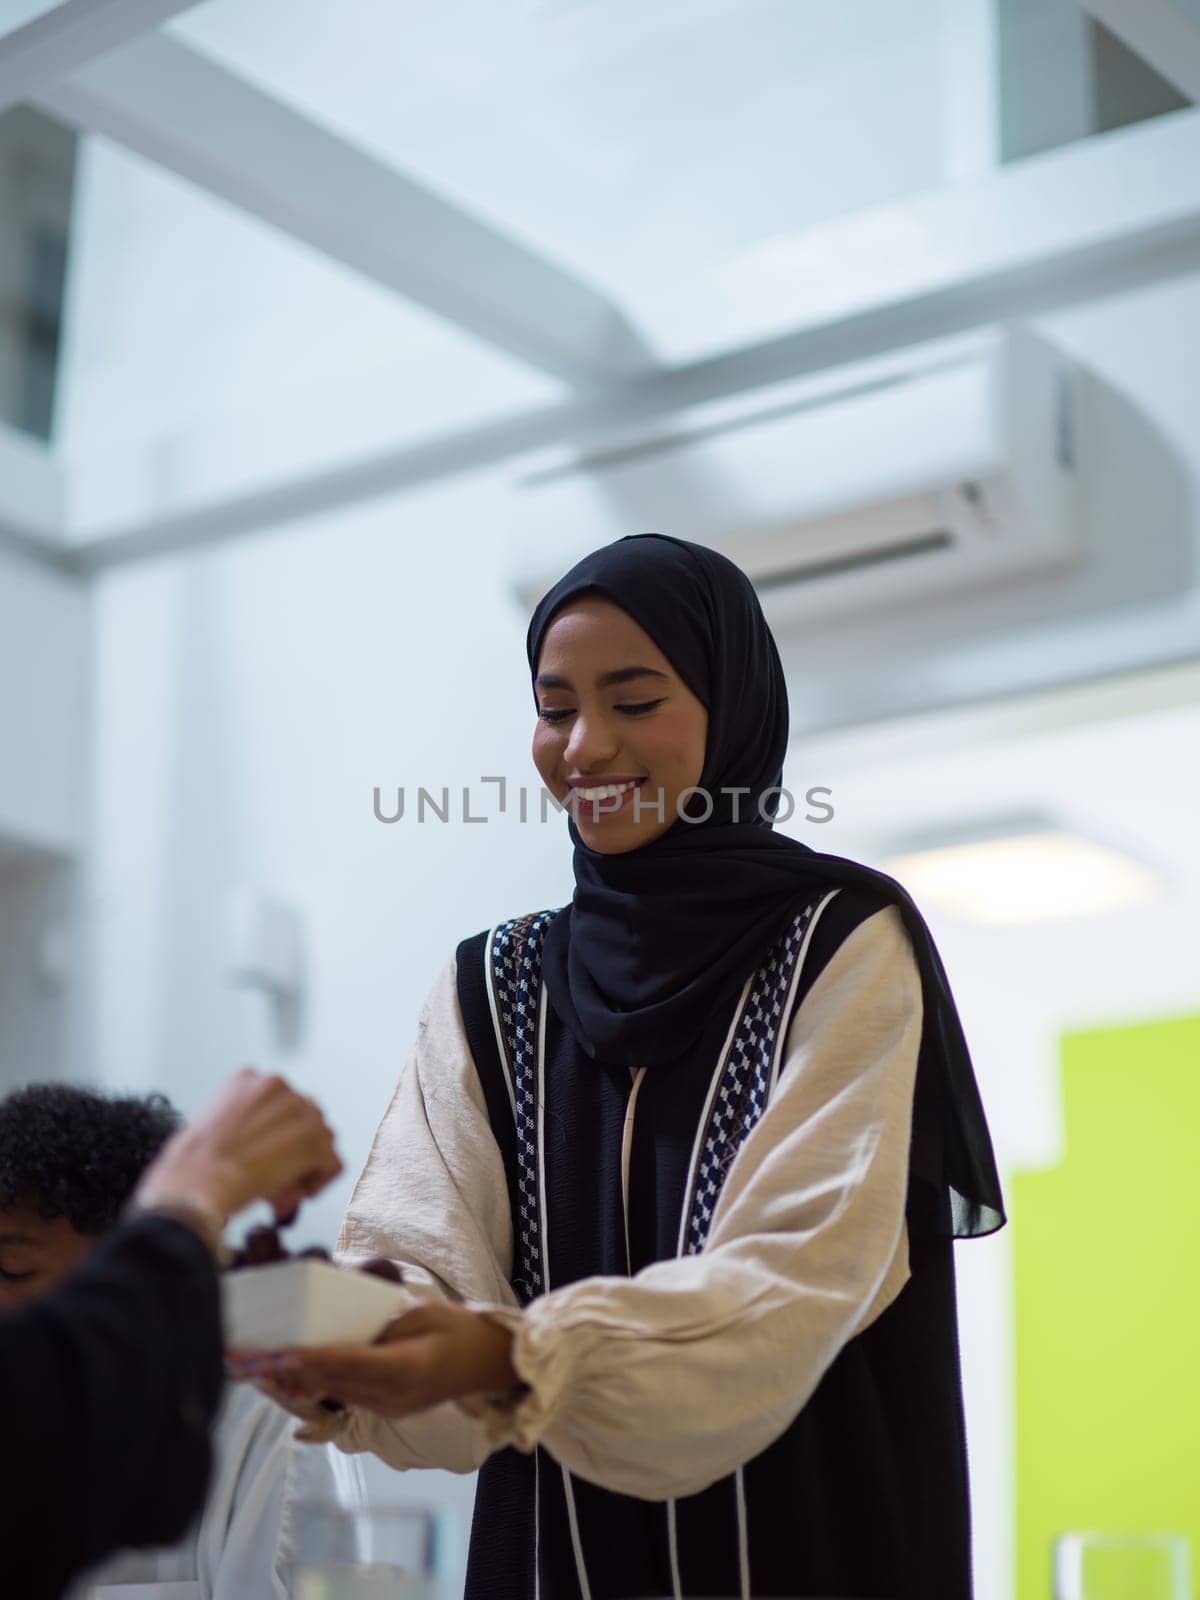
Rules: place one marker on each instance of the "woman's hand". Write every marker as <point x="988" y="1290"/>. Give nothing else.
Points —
<point x="434" y="1352"/>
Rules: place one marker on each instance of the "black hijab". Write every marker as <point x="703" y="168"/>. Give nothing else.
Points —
<point x="656" y="938"/>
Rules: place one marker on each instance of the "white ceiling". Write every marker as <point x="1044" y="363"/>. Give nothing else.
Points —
<point x="631" y="141"/>
<point x="769" y="188"/>
<point x="183" y="309"/>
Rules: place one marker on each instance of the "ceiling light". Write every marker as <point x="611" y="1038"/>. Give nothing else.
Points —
<point x="1014" y="878"/>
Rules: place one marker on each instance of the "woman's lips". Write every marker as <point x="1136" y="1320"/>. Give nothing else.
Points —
<point x="608" y="798"/>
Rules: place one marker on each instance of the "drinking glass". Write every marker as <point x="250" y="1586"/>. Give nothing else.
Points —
<point x="1122" y="1566"/>
<point x="365" y="1553"/>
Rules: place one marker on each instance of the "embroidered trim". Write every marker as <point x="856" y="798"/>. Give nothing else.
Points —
<point x="746" y="1081"/>
<point x="516" y="978"/>
<point x="741" y="1098"/>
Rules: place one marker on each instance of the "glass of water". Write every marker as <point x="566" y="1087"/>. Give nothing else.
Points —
<point x="1122" y="1566"/>
<point x="363" y="1553"/>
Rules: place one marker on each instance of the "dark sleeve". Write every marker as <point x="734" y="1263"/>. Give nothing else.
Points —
<point x="108" y="1388"/>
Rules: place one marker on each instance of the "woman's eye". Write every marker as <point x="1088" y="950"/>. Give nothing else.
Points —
<point x="631" y="709"/>
<point x="16" y="1277"/>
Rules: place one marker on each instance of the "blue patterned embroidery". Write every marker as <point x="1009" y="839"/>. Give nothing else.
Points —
<point x="739" y="1103"/>
<point x="741" y="1097"/>
<point x="516" y="976"/>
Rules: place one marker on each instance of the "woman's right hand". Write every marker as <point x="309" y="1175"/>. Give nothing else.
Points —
<point x="260" y="1140"/>
<point x="320" y="1419"/>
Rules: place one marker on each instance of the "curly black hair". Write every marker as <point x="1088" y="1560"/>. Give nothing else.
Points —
<point x="67" y="1151"/>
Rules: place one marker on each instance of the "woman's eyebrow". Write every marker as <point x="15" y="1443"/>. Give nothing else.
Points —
<point x="548" y="680"/>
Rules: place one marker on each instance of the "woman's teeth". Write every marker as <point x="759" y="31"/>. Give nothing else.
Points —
<point x="607" y="791"/>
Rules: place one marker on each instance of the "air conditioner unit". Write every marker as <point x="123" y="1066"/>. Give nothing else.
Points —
<point x="893" y="492"/>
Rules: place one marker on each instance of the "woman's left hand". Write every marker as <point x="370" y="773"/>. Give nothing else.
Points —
<point x="434" y="1352"/>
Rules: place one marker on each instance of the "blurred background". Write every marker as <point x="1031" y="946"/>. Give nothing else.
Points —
<point x="330" y="336"/>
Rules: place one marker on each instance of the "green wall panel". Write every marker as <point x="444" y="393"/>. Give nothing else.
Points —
<point x="1106" y="1261"/>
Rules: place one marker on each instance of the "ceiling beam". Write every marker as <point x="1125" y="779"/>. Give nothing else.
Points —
<point x="1160" y="34"/>
<point x="175" y="107"/>
<point x="32" y="496"/>
<point x="1069" y="279"/>
<point x="1099" y="218"/>
<point x="1102" y="217"/>
<point x="67" y="35"/>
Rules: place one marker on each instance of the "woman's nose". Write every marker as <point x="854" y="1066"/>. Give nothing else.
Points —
<point x="592" y="742"/>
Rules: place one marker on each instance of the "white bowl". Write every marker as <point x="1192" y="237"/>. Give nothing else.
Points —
<point x="307" y="1302"/>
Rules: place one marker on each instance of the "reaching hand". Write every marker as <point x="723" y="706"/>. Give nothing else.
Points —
<point x="260" y="1140"/>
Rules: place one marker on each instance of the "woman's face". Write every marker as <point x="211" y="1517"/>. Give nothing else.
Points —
<point x="619" y="735"/>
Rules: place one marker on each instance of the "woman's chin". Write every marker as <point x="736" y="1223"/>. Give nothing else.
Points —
<point x="605" y="845"/>
<point x="614" y="836"/>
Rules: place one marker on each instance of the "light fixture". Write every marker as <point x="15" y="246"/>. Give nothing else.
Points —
<point x="1018" y="871"/>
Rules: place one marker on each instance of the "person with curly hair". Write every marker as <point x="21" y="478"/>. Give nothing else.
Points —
<point x="110" y="1382"/>
<point x="71" y="1159"/>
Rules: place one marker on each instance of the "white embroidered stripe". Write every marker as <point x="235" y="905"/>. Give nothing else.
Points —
<point x="536" y="1468"/>
<point x="685" y="1218"/>
<point x="489" y="967"/>
<point x="580" y="1568"/>
<point x="626" y="1148"/>
<point x="544" y="1228"/>
<point x="743" y="1535"/>
<point x="685" y="1215"/>
<point x="673" y="1547"/>
<point x="782" y="1034"/>
<point x="539" y="1109"/>
<point x="537" y="1523"/>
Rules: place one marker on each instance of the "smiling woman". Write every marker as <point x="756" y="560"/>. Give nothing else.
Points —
<point x="679" y="1164"/>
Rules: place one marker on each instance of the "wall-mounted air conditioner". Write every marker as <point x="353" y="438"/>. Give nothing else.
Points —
<point x="892" y="492"/>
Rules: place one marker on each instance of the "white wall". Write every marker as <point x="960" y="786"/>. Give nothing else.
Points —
<point x="43" y="657"/>
<point x="248" y="701"/>
<point x="36" y="911"/>
<point x="43" y="651"/>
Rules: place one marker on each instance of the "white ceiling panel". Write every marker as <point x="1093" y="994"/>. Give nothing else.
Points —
<point x="635" y="143"/>
<point x="175" y="106"/>
<point x="182" y="309"/>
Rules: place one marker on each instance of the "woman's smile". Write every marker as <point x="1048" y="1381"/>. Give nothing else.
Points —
<point x="603" y="797"/>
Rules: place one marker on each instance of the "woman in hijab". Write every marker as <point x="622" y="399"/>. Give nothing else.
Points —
<point x="681" y="1162"/>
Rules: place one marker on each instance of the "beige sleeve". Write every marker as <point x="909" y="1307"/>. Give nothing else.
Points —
<point x="660" y="1384"/>
<point x="432" y="1197"/>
